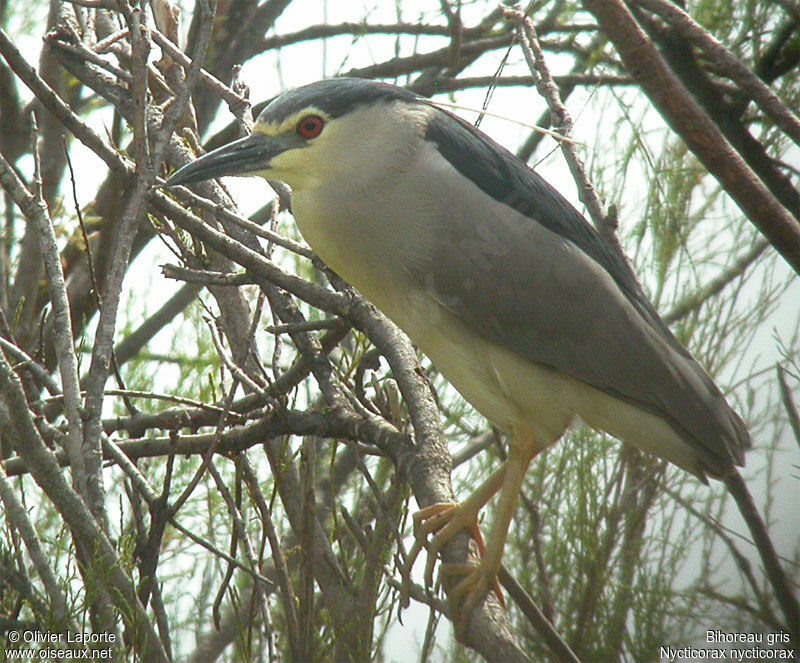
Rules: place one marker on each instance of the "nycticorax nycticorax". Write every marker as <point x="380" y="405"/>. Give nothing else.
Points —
<point x="517" y="300"/>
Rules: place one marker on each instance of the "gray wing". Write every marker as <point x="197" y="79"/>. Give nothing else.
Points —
<point x="544" y="284"/>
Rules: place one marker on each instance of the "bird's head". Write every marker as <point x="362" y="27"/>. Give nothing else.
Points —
<point x="337" y="130"/>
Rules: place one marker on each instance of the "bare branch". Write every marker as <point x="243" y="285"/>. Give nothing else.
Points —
<point x="15" y="511"/>
<point x="55" y="105"/>
<point x="81" y="522"/>
<point x="35" y="210"/>
<point x="702" y="136"/>
<point x="729" y="65"/>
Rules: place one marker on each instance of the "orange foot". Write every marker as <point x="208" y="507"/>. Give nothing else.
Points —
<point x="444" y="520"/>
<point x="470" y="591"/>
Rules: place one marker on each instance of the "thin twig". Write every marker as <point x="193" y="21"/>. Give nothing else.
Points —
<point x="206" y="277"/>
<point x="534" y="56"/>
<point x="225" y="214"/>
<point x="309" y="325"/>
<point x="35" y="210"/>
<point x="788" y="403"/>
<point x="717" y="284"/>
<point x="467" y="82"/>
<point x="52" y="102"/>
<point x="211" y="82"/>
<point x="109" y="571"/>
<point x="259" y="588"/>
<point x="284" y="582"/>
<point x="92" y="276"/>
<point x="18" y="517"/>
<point x="207" y="10"/>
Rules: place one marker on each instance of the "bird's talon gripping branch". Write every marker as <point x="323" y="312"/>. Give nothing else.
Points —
<point x="426" y="521"/>
<point x="470" y="591"/>
<point x="443" y="520"/>
<point x="446" y="524"/>
<point x="447" y="518"/>
<point x="470" y="571"/>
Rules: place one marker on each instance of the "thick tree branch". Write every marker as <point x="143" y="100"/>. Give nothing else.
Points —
<point x="702" y="136"/>
<point x="729" y="65"/>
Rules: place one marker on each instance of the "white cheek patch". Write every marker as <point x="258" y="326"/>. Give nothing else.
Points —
<point x="292" y="167"/>
<point x="292" y="160"/>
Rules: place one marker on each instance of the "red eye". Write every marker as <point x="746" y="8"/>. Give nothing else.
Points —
<point x="310" y="126"/>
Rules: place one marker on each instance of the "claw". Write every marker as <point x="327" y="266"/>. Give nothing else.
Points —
<point x="470" y="591"/>
<point x="446" y="524"/>
<point x="426" y="521"/>
<point x="465" y="596"/>
<point x="445" y="520"/>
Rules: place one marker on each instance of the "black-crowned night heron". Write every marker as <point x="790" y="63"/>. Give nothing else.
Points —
<point x="515" y="298"/>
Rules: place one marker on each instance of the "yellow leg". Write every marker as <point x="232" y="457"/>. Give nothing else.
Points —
<point x="468" y="593"/>
<point x="446" y="519"/>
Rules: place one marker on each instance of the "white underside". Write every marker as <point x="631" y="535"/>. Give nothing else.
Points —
<point x="527" y="399"/>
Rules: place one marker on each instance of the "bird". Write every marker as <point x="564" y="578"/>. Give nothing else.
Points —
<point x="512" y="294"/>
